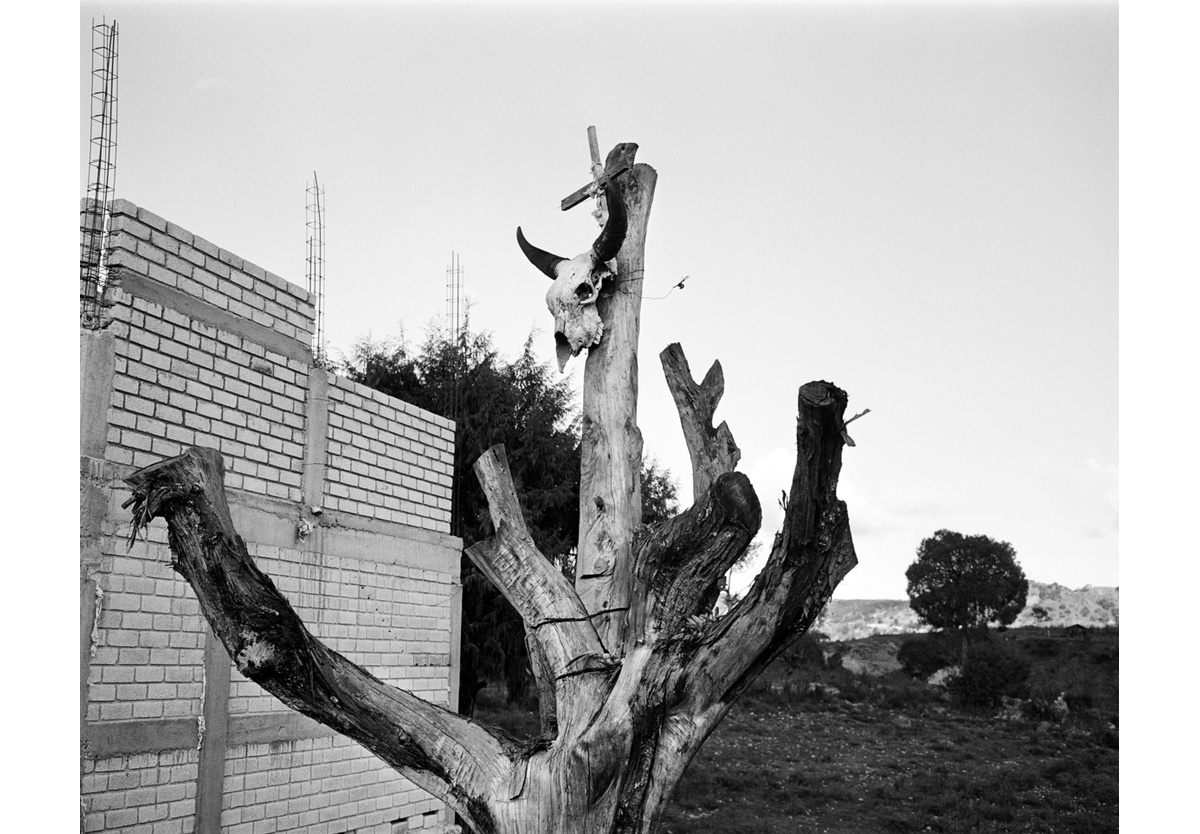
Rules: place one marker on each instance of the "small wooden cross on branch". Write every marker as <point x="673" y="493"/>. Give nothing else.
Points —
<point x="617" y="164"/>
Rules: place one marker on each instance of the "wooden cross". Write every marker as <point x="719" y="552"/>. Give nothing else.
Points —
<point x="600" y="175"/>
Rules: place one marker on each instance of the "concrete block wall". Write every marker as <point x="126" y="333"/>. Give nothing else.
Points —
<point x="392" y="618"/>
<point x="148" y="245"/>
<point x="148" y="792"/>
<point x="318" y="784"/>
<point x="211" y="351"/>
<point x="388" y="459"/>
<point x="342" y="496"/>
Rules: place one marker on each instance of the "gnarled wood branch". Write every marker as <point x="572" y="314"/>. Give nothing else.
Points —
<point x="564" y="643"/>
<point x="695" y="681"/>
<point x="619" y="730"/>
<point x="713" y="451"/>
<point x="678" y="562"/>
<point x="442" y="752"/>
<point x="812" y="553"/>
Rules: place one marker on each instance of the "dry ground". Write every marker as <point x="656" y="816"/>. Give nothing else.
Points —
<point x="849" y="769"/>
<point x="893" y="755"/>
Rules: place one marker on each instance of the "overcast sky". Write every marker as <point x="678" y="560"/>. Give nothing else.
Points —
<point x="917" y="202"/>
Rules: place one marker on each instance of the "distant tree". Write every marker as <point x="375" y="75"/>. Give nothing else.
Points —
<point x="522" y="405"/>
<point x="965" y="582"/>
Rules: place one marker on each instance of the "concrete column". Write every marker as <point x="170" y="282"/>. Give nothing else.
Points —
<point x="316" y="452"/>
<point x="210" y="775"/>
<point x="97" y="366"/>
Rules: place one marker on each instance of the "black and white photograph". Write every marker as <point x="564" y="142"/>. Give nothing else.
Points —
<point x="604" y="417"/>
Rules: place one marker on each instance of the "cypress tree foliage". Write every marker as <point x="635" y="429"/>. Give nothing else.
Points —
<point x="525" y="406"/>
<point x="659" y="495"/>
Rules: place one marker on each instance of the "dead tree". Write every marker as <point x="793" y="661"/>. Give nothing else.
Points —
<point x="633" y="672"/>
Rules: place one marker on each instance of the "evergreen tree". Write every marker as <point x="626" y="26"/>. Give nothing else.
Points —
<point x="660" y="500"/>
<point x="523" y="405"/>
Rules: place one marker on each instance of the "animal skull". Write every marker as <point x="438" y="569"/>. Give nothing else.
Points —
<point x="572" y="297"/>
<point x="572" y="301"/>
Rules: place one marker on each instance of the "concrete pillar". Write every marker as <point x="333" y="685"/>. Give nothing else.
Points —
<point x="97" y="365"/>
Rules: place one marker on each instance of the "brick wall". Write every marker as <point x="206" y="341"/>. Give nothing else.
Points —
<point x="234" y="379"/>
<point x="388" y="459"/>
<point x="342" y="496"/>
<point x="174" y="257"/>
<point x="150" y="792"/>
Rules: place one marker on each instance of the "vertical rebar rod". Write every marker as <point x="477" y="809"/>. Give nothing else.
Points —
<point x="456" y="340"/>
<point x="316" y="264"/>
<point x="93" y="225"/>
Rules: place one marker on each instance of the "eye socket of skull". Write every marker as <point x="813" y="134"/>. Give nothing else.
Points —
<point x="585" y="291"/>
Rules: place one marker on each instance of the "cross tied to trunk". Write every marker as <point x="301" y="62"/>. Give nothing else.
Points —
<point x="580" y="281"/>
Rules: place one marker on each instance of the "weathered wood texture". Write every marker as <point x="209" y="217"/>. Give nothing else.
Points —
<point x="633" y="674"/>
<point x="712" y="450"/>
<point x="561" y="637"/>
<point x="610" y="491"/>
<point x="442" y="752"/>
<point x="623" y="727"/>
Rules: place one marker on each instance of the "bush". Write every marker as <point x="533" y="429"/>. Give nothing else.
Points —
<point x="990" y="671"/>
<point x="1042" y="647"/>
<point x="1039" y="708"/>
<point x="805" y="652"/>
<point x="1079" y="701"/>
<point x="922" y="656"/>
<point x="902" y="694"/>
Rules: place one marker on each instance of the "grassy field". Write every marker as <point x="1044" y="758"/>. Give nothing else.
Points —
<point x="894" y="755"/>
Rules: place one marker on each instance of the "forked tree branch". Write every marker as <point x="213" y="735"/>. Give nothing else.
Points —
<point x="678" y="562"/>
<point x="681" y="673"/>
<point x="811" y="555"/>
<point x="438" y="750"/>
<point x="712" y="450"/>
<point x="563" y="641"/>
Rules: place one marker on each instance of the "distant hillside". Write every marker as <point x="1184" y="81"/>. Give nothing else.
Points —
<point x="854" y="619"/>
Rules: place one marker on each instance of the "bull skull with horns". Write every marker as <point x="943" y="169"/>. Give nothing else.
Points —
<point x="572" y="296"/>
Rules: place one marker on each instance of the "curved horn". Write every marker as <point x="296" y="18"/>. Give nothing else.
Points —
<point x="608" y="244"/>
<point x="540" y="258"/>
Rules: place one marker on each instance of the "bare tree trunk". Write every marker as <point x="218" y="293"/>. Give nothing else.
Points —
<point x="610" y="488"/>
<point x="633" y="674"/>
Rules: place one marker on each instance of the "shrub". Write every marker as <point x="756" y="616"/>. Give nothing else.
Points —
<point x="1039" y="708"/>
<point x="805" y="652"/>
<point x="1079" y="701"/>
<point x="1042" y="647"/>
<point x="990" y="671"/>
<point x="899" y="695"/>
<point x="922" y="656"/>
